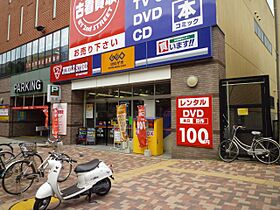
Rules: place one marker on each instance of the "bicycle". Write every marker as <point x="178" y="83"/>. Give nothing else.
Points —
<point x="266" y="150"/>
<point x="20" y="175"/>
<point x="7" y="157"/>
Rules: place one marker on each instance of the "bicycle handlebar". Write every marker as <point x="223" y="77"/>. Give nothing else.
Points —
<point x="61" y="156"/>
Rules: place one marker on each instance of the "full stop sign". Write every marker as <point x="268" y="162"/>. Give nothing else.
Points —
<point x="194" y="121"/>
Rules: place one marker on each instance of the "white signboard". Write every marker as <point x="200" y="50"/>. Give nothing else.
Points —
<point x="54" y="93"/>
<point x="89" y="111"/>
<point x="62" y="117"/>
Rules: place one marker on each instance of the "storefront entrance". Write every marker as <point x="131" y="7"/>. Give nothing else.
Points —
<point x="156" y="97"/>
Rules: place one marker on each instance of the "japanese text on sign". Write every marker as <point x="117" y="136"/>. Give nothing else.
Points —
<point x="194" y="121"/>
<point x="187" y="14"/>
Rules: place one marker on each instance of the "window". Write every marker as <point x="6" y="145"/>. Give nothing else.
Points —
<point x="54" y="8"/>
<point x="8" y="60"/>
<point x="262" y="36"/>
<point x="21" y="20"/>
<point x="22" y="62"/>
<point x="35" y="54"/>
<point x="4" y="63"/>
<point x="1" y="64"/>
<point x="17" y="61"/>
<point x="48" y="58"/>
<point x="41" y="61"/>
<point x="9" y="23"/>
<point x="12" y="63"/>
<point x="36" y="13"/>
<point x="28" y="56"/>
<point x="64" y="44"/>
<point x="56" y="47"/>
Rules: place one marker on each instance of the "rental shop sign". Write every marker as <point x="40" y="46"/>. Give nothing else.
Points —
<point x="99" y="26"/>
<point x="194" y="121"/>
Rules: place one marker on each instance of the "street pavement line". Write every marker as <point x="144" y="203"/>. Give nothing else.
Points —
<point x="227" y="176"/>
<point x="123" y="176"/>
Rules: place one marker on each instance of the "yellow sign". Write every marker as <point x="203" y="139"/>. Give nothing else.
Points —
<point x="118" y="60"/>
<point x="242" y="111"/>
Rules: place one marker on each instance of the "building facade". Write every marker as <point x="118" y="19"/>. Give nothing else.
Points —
<point x="40" y="43"/>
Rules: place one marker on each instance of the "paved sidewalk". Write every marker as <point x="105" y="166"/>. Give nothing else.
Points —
<point x="159" y="183"/>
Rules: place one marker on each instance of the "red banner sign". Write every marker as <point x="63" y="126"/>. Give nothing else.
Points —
<point x="194" y="121"/>
<point x="141" y="126"/>
<point x="55" y="122"/>
<point x="71" y="69"/>
<point x="94" y="25"/>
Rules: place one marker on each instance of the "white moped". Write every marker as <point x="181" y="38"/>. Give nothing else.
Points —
<point x="93" y="177"/>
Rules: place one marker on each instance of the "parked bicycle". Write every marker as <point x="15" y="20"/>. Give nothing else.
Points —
<point x="20" y="175"/>
<point x="7" y="157"/>
<point x="266" y="150"/>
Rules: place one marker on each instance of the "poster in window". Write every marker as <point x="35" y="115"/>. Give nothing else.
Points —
<point x="89" y="111"/>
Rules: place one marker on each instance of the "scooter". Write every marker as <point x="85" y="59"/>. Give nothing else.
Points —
<point x="93" y="177"/>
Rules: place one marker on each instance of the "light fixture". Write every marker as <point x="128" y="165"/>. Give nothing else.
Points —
<point x="192" y="81"/>
<point x="41" y="28"/>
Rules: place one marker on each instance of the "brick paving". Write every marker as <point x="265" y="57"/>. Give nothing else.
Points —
<point x="157" y="183"/>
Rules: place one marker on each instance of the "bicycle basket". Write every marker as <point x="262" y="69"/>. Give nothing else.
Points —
<point x="28" y="148"/>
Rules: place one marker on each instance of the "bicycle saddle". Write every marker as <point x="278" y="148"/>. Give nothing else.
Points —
<point x="256" y="133"/>
<point x="87" y="166"/>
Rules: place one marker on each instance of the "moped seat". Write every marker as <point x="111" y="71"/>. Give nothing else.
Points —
<point x="256" y="133"/>
<point x="85" y="167"/>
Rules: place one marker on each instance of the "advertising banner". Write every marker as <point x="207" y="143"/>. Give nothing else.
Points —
<point x="79" y="68"/>
<point x="121" y="117"/>
<point x="61" y="109"/>
<point x="4" y="113"/>
<point x="98" y="26"/>
<point x="194" y="121"/>
<point x="118" y="60"/>
<point x="55" y="122"/>
<point x="141" y="126"/>
<point x="148" y="20"/>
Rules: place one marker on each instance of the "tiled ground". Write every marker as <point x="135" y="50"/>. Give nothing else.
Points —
<point x="156" y="183"/>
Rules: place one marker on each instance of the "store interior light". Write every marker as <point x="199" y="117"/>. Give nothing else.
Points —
<point x="142" y="94"/>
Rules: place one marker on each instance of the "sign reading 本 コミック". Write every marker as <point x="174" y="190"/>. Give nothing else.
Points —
<point x="194" y="121"/>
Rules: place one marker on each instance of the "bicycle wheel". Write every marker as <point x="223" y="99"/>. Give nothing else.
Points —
<point x="267" y="151"/>
<point x="18" y="177"/>
<point x="6" y="157"/>
<point x="65" y="170"/>
<point x="37" y="160"/>
<point x="7" y="147"/>
<point x="228" y="150"/>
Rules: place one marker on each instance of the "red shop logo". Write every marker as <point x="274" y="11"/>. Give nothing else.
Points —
<point x="91" y="17"/>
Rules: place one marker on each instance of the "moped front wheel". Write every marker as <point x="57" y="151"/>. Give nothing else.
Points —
<point x="228" y="151"/>
<point x="41" y="204"/>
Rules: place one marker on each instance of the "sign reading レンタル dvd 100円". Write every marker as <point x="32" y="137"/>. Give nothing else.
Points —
<point x="99" y="26"/>
<point x="194" y="121"/>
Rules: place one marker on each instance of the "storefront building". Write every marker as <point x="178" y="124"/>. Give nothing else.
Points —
<point x="183" y="60"/>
